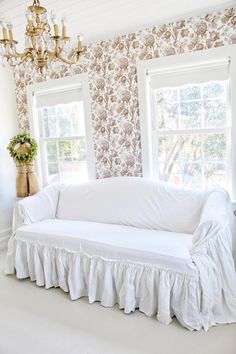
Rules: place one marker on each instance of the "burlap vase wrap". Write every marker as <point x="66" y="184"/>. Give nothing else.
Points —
<point x="32" y="178"/>
<point x="26" y="180"/>
<point x="21" y="181"/>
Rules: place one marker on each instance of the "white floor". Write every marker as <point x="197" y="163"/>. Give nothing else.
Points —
<point x="38" y="321"/>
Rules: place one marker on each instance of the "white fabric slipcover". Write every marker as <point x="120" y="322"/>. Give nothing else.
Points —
<point x="167" y="249"/>
<point x="135" y="258"/>
<point x="134" y="203"/>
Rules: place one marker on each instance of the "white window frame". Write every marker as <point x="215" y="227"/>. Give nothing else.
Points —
<point x="146" y="107"/>
<point x="81" y="82"/>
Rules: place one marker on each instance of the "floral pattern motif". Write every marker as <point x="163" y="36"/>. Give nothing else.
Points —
<point x="111" y="66"/>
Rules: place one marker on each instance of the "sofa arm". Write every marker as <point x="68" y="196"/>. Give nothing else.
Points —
<point x="217" y="213"/>
<point x="212" y="255"/>
<point x="40" y="206"/>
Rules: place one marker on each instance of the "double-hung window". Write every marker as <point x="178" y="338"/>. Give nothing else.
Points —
<point x="186" y="119"/>
<point x="61" y="125"/>
<point x="192" y="134"/>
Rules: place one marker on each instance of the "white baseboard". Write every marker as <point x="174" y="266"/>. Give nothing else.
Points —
<point x="4" y="237"/>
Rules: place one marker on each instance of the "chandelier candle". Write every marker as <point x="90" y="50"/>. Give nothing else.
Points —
<point x="4" y="31"/>
<point x="63" y="22"/>
<point x="43" y="49"/>
<point x="9" y="26"/>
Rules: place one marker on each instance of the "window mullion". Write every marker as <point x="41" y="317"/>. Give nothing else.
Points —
<point x="179" y="135"/>
<point x="76" y="137"/>
<point x="58" y="161"/>
<point x="154" y="132"/>
<point x="202" y="145"/>
<point x="192" y="131"/>
<point x="229" y="141"/>
<point x="57" y="125"/>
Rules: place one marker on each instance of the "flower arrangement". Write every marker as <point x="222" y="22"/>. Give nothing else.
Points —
<point x="22" y="148"/>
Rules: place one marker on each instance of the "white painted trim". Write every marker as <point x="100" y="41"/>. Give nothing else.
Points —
<point x="81" y="81"/>
<point x="174" y="61"/>
<point x="57" y="84"/>
<point x="34" y="128"/>
<point x="202" y="57"/>
<point x="88" y="126"/>
<point x="4" y="237"/>
<point x="191" y="131"/>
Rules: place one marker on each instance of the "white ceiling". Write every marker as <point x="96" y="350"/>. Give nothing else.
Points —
<point x="104" y="19"/>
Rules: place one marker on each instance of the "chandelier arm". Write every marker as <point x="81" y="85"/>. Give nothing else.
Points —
<point x="22" y="56"/>
<point x="19" y="55"/>
<point x="69" y="62"/>
<point x="24" y="59"/>
<point x="51" y="55"/>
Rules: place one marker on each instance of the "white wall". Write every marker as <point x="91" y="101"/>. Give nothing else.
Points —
<point x="8" y="128"/>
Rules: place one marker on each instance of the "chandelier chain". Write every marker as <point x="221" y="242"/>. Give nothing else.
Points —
<point x="36" y="3"/>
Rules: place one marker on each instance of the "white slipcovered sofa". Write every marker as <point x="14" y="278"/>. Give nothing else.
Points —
<point x="142" y="244"/>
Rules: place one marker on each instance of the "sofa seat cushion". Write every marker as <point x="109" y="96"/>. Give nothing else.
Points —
<point x="165" y="249"/>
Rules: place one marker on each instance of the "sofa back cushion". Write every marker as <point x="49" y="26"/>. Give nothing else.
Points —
<point x="132" y="201"/>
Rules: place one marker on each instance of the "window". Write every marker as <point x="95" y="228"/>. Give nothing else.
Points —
<point x="191" y="134"/>
<point x="61" y="127"/>
<point x="186" y="119"/>
<point x="63" y="138"/>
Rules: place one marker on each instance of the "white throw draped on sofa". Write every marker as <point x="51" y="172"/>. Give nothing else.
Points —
<point x="75" y="238"/>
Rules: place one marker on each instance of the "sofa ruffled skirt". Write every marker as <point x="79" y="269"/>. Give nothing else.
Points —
<point x="152" y="290"/>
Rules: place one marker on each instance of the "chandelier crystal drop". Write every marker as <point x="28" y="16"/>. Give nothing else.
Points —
<point x="44" y="49"/>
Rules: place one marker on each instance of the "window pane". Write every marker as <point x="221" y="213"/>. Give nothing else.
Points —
<point x="49" y="122"/>
<point x="167" y="116"/>
<point x="65" y="120"/>
<point x="51" y="150"/>
<point x="191" y="174"/>
<point x="214" y="90"/>
<point x="190" y="147"/>
<point x="77" y="119"/>
<point x="72" y="155"/>
<point x="188" y="166"/>
<point x="169" y="172"/>
<point x="191" y="92"/>
<point x="166" y="95"/>
<point x="215" y="175"/>
<point x="168" y="148"/>
<point x="214" y="146"/>
<point x="167" y="108"/>
<point x="215" y="113"/>
<point x="78" y="150"/>
<point x="65" y="150"/>
<point x="64" y="124"/>
<point x="190" y="115"/>
<point x="52" y="170"/>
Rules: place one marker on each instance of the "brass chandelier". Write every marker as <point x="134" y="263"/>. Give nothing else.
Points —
<point x="44" y="49"/>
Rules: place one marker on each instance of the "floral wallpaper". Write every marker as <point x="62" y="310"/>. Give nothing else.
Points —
<point x="111" y="66"/>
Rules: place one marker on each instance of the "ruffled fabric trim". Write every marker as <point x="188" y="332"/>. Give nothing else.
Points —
<point x="152" y="290"/>
<point x="213" y="258"/>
